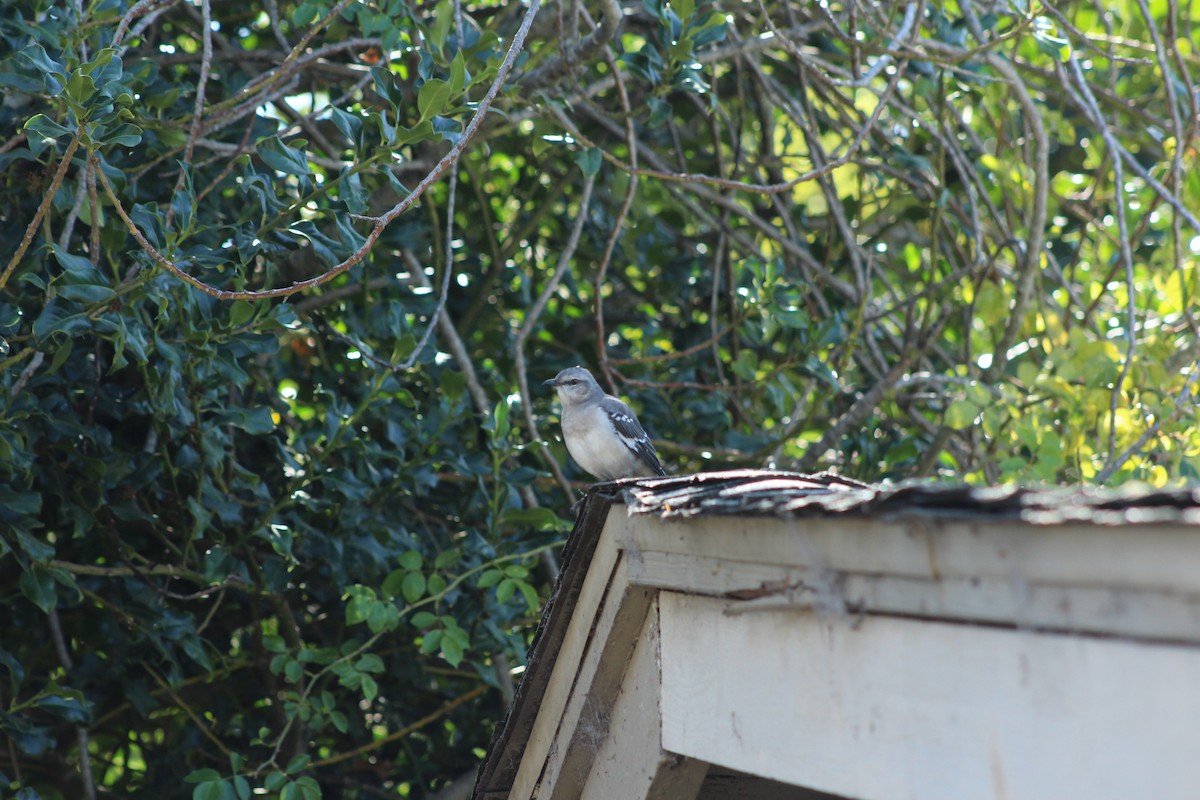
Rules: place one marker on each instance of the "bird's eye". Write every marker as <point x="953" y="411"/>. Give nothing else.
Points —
<point x="573" y="381"/>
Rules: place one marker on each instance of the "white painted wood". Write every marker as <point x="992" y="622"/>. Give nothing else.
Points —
<point x="617" y="627"/>
<point x="895" y="709"/>
<point x="630" y="764"/>
<point x="1118" y="610"/>
<point x="1158" y="558"/>
<point x="558" y="690"/>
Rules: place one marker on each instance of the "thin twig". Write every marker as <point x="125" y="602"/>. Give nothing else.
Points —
<point x="196" y="719"/>
<point x="26" y="374"/>
<point x="81" y="731"/>
<point x="47" y="199"/>
<point x="394" y="736"/>
<point x="618" y="226"/>
<point x="1032" y="260"/>
<point x="1093" y="110"/>
<point x="531" y="319"/>
<point x="454" y="342"/>
<point x="447" y="270"/>
<point x="197" y="105"/>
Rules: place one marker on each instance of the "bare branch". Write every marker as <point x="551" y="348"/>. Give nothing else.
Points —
<point x="531" y="318"/>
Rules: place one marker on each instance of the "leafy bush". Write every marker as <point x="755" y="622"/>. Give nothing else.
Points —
<point x="277" y="504"/>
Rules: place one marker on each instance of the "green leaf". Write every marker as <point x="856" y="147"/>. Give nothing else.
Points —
<point x="274" y="644"/>
<point x="589" y="161"/>
<point x="443" y="19"/>
<point x="458" y="74"/>
<point x="423" y="619"/>
<point x="125" y="135"/>
<point x="37" y="584"/>
<point x="500" y="425"/>
<point x="86" y="293"/>
<point x="348" y="124"/>
<point x="77" y="266"/>
<point x="431" y="642"/>
<point x="42" y="132"/>
<point x="393" y="584"/>
<point x="102" y="58"/>
<point x="67" y="705"/>
<point x="410" y="560"/>
<point x="447" y="558"/>
<point x="36" y="55"/>
<point x="55" y="319"/>
<point x="370" y="689"/>
<point x="259" y="421"/>
<point x="368" y="662"/>
<point x="26" y="503"/>
<point x="452" y="651"/>
<point x="420" y="132"/>
<point x="317" y="655"/>
<point x="532" y="601"/>
<point x="359" y="602"/>
<point x="309" y="788"/>
<point x="712" y="29"/>
<point x="205" y="775"/>
<point x="352" y="192"/>
<point x="53" y="73"/>
<point x="961" y="414"/>
<point x="210" y="790"/>
<point x="746" y="365"/>
<point x="458" y="635"/>
<point x="413" y="586"/>
<point x="304" y="14"/>
<point x="241" y="312"/>
<point x="382" y="617"/>
<point x="279" y="156"/>
<point x="79" y="89"/>
<point x="504" y="591"/>
<point x="979" y="394"/>
<point x="489" y="578"/>
<point x="298" y="763"/>
<point x="432" y="98"/>
<point x="453" y="385"/>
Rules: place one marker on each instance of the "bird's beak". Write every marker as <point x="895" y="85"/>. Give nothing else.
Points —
<point x="550" y="383"/>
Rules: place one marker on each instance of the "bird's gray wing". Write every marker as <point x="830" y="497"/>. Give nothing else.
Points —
<point x="631" y="434"/>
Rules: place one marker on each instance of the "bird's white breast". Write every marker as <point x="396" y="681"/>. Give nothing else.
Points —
<point x="594" y="445"/>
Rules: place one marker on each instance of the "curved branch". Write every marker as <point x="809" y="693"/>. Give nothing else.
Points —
<point x="47" y="199"/>
<point x="610" y="21"/>
<point x="1037" y="216"/>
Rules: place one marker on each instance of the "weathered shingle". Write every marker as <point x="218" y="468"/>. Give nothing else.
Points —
<point x="792" y="495"/>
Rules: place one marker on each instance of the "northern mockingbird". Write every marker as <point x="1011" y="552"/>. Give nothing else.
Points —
<point x="603" y="434"/>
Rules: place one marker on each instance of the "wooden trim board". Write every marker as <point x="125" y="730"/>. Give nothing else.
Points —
<point x="883" y="709"/>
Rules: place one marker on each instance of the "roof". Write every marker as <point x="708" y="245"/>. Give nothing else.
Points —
<point x="787" y="496"/>
<point x="792" y="495"/>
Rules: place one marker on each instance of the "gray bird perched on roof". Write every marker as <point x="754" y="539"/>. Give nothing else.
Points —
<point x="602" y="434"/>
